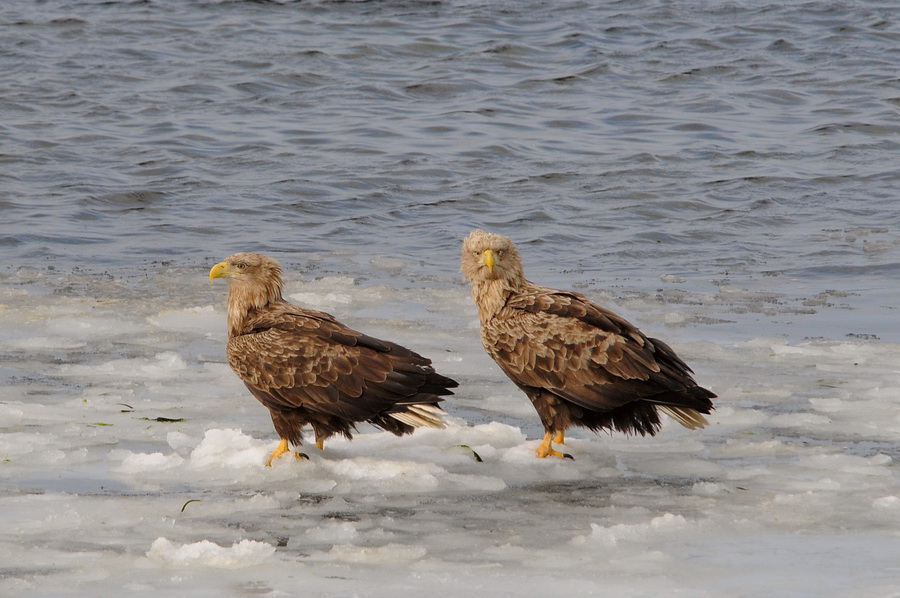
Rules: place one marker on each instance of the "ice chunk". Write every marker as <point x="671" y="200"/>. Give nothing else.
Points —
<point x="376" y="471"/>
<point x="245" y="553"/>
<point x="674" y="318"/>
<point x="333" y="531"/>
<point x="612" y="535"/>
<point x="228" y="448"/>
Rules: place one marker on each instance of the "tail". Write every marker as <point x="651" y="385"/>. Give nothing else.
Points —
<point x="415" y="390"/>
<point x="687" y="417"/>
<point x="421" y="416"/>
<point x="429" y="390"/>
<point x="687" y="407"/>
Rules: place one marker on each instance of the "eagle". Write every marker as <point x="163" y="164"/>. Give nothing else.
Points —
<point x="580" y="364"/>
<point x="309" y="369"/>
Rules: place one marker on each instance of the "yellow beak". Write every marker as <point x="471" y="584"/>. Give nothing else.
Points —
<point x="220" y="270"/>
<point x="487" y="258"/>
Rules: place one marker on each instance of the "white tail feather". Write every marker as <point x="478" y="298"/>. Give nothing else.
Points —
<point x="689" y="418"/>
<point x="422" y="416"/>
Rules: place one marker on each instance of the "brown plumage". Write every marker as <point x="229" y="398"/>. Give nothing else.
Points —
<point x="579" y="363"/>
<point x="308" y="368"/>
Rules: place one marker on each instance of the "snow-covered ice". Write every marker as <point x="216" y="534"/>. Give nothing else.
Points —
<point x="245" y="553"/>
<point x="132" y="461"/>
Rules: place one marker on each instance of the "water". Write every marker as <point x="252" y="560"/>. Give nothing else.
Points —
<point x="637" y="138"/>
<point x="724" y="174"/>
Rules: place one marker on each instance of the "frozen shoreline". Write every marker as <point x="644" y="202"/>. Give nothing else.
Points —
<point x="133" y="461"/>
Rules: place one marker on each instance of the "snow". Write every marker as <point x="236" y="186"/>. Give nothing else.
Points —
<point x="133" y="462"/>
<point x="245" y="553"/>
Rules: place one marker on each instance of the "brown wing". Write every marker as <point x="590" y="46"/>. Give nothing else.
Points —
<point x="290" y="358"/>
<point x="586" y="354"/>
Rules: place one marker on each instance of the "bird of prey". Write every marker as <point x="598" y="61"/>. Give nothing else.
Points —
<point x="580" y="364"/>
<point x="309" y="369"/>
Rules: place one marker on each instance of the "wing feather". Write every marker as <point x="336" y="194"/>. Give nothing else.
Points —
<point x="292" y="358"/>
<point x="563" y="342"/>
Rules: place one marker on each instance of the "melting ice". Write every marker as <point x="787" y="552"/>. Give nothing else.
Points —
<point x="133" y="462"/>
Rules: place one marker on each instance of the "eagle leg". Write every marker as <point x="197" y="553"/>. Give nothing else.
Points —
<point x="546" y="447"/>
<point x="282" y="449"/>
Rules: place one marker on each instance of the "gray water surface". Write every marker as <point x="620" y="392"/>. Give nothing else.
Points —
<point x="716" y="147"/>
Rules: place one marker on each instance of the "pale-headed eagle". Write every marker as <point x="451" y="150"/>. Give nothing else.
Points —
<point x="308" y="368"/>
<point x="579" y="363"/>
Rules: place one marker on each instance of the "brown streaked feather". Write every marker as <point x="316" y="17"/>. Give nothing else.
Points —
<point x="579" y="363"/>
<point x="308" y="368"/>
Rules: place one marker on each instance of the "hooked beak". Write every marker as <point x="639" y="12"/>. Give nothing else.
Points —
<point x="487" y="258"/>
<point x="220" y="270"/>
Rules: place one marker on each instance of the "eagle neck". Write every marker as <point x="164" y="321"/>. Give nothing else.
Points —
<point x="490" y="296"/>
<point x="245" y="300"/>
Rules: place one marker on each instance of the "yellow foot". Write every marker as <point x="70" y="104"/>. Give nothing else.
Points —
<point x="545" y="451"/>
<point x="282" y="449"/>
<point x="546" y="447"/>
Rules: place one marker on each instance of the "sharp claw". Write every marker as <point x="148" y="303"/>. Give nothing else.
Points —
<point x="303" y="456"/>
<point x="282" y="449"/>
<point x="553" y="453"/>
<point x="546" y="447"/>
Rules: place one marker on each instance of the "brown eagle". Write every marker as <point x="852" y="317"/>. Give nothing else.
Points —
<point x="308" y="368"/>
<point x="580" y="364"/>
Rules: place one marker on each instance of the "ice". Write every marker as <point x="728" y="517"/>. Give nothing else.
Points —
<point x="613" y="535"/>
<point x="245" y="553"/>
<point x="227" y="449"/>
<point x="328" y="293"/>
<point x="45" y="343"/>
<point x="200" y="319"/>
<point x="332" y="531"/>
<point x="133" y="461"/>
<point x="142" y="462"/>
<point x="388" y="553"/>
<point x="886" y="502"/>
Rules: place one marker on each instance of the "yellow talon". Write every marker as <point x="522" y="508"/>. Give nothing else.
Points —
<point x="546" y="447"/>
<point x="283" y="448"/>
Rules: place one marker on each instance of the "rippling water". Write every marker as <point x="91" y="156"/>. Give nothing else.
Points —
<point x="722" y="144"/>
